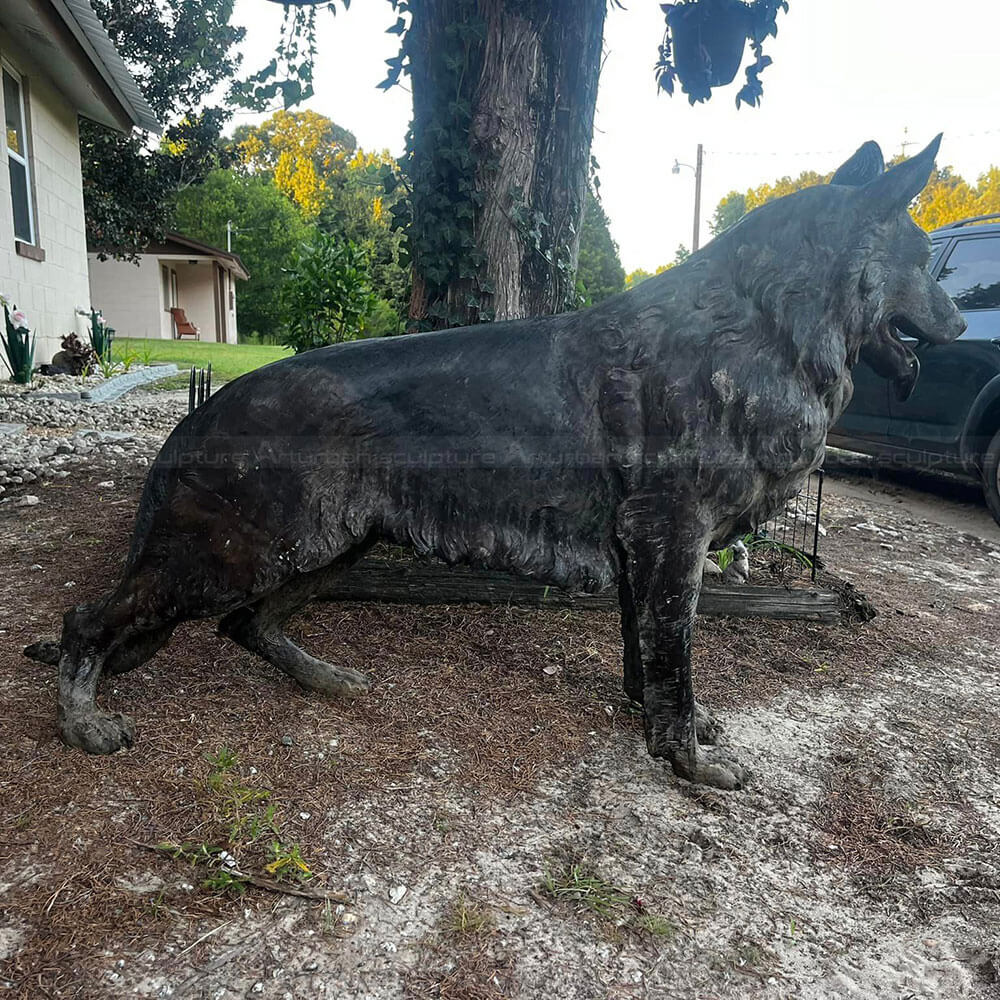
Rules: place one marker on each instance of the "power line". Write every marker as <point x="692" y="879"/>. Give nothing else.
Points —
<point x="841" y="149"/>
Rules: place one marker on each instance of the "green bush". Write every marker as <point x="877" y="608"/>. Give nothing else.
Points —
<point x="383" y="320"/>
<point x="328" y="295"/>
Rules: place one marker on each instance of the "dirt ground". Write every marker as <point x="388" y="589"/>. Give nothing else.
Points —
<point x="490" y="809"/>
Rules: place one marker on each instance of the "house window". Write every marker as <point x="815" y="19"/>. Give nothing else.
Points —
<point x="16" y="134"/>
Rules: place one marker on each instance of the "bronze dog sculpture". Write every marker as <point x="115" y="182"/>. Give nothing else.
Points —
<point x="619" y="443"/>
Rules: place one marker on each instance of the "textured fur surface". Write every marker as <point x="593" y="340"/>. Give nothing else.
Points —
<point x="616" y="443"/>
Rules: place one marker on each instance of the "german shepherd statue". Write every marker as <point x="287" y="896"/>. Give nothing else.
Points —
<point x="618" y="444"/>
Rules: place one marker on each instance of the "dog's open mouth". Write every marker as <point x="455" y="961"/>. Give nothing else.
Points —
<point x="899" y="324"/>
<point x="889" y="357"/>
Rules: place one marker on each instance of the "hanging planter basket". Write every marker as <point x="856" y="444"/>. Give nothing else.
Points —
<point x="708" y="38"/>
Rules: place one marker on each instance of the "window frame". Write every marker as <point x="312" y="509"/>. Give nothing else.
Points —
<point x="25" y="159"/>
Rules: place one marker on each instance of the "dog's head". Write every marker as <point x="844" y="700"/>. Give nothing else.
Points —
<point x="894" y="274"/>
<point x="840" y="269"/>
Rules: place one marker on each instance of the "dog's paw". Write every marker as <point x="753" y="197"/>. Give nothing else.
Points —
<point x="711" y="766"/>
<point x="98" y="732"/>
<point x="47" y="651"/>
<point x="336" y="682"/>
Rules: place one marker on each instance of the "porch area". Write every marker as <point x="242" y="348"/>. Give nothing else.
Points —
<point x="176" y="285"/>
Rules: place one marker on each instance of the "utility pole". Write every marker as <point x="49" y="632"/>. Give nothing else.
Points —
<point x="697" y="199"/>
<point x="229" y="236"/>
<point x="676" y="169"/>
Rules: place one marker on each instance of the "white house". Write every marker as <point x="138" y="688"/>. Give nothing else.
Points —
<point x="57" y="64"/>
<point x="179" y="273"/>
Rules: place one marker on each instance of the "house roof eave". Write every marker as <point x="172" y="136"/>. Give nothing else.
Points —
<point x="93" y="39"/>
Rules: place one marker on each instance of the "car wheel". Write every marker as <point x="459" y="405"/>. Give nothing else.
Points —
<point x="991" y="477"/>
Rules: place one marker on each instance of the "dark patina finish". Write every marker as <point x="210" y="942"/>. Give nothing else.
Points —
<point x="614" y="445"/>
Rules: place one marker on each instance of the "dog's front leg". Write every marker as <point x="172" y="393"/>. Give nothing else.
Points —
<point x="707" y="727"/>
<point x="663" y="567"/>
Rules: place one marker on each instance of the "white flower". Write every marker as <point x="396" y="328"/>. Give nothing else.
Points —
<point x="18" y="320"/>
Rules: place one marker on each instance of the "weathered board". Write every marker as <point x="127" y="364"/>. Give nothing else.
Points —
<point x="391" y="582"/>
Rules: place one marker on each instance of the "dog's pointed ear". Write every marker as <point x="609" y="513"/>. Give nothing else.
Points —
<point x="897" y="187"/>
<point x="862" y="168"/>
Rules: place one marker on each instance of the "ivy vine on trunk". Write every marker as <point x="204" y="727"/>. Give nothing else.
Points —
<point x="498" y="153"/>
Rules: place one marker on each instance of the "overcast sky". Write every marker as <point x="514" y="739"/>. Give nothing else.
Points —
<point x="844" y="71"/>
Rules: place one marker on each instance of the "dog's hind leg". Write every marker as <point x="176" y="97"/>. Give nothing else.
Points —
<point x="259" y="628"/>
<point x="111" y="636"/>
<point x="132" y="653"/>
<point x="664" y="555"/>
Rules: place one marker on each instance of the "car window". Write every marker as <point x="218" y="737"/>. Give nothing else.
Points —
<point x="971" y="274"/>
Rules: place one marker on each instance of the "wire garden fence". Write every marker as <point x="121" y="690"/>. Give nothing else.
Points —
<point x="199" y="387"/>
<point x="790" y="541"/>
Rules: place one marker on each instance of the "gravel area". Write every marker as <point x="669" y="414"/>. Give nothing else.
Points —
<point x="46" y="438"/>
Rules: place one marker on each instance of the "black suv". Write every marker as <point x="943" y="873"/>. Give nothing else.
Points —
<point x="952" y="420"/>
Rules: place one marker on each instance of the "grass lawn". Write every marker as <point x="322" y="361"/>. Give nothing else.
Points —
<point x="228" y="360"/>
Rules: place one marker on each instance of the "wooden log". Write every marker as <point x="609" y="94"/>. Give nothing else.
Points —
<point x="398" y="582"/>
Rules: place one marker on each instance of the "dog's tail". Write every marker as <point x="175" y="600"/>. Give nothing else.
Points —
<point x="47" y="651"/>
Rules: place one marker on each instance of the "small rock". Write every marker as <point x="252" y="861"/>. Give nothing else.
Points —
<point x="349" y="918"/>
<point x="305" y="815"/>
<point x="28" y="501"/>
<point x="396" y="893"/>
<point x="35" y="566"/>
<point x="287" y="741"/>
<point x="107" y="484"/>
<point x="70" y="583"/>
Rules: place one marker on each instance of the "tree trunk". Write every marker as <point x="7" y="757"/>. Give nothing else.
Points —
<point x="503" y="112"/>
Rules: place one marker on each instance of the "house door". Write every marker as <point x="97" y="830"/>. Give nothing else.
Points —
<point x="168" y="278"/>
<point x="168" y="291"/>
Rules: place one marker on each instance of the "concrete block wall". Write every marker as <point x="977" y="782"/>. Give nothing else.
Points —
<point x="48" y="291"/>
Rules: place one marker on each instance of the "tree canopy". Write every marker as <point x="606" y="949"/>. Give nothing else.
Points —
<point x="301" y="195"/>
<point x="178" y="51"/>
<point x="599" y="273"/>
<point x="302" y="150"/>
<point x="947" y="197"/>
<point x="268" y="232"/>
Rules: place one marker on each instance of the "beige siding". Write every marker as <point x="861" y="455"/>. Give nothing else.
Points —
<point x="48" y="291"/>
<point x="129" y="296"/>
